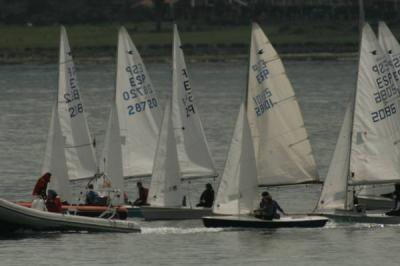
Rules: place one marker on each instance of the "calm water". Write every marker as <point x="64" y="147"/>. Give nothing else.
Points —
<point x="323" y="89"/>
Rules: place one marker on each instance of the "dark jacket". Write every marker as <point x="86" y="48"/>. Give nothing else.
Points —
<point x="207" y="198"/>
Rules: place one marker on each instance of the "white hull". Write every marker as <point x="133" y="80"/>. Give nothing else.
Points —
<point x="375" y="202"/>
<point x="14" y="217"/>
<point x="354" y="217"/>
<point x="245" y="221"/>
<point x="169" y="213"/>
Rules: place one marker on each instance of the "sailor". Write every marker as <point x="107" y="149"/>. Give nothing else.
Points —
<point x="53" y="202"/>
<point x="92" y="197"/>
<point x="41" y="186"/>
<point x="268" y="208"/>
<point x="207" y="197"/>
<point x="143" y="192"/>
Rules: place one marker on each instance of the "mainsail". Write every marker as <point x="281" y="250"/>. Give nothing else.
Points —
<point x="237" y="192"/>
<point x="282" y="148"/>
<point x="375" y="149"/>
<point x="391" y="46"/>
<point x="111" y="161"/>
<point x="367" y="151"/>
<point x="165" y="187"/>
<point x="54" y="159"/>
<point x="193" y="152"/>
<point x="138" y="110"/>
<point x="79" y="151"/>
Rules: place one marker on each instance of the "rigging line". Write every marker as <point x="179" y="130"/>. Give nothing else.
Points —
<point x="298" y="142"/>
<point x="293" y="97"/>
<point x="273" y="59"/>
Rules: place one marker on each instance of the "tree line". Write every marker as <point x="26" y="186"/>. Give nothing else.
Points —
<point x="217" y="12"/>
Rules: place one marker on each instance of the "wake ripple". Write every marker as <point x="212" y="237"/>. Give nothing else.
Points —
<point x="178" y="230"/>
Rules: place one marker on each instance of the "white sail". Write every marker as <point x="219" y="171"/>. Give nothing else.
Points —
<point x="390" y="45"/>
<point x="165" y="187"/>
<point x="54" y="159"/>
<point x="375" y="150"/>
<point x="79" y="151"/>
<point x="237" y="191"/>
<point x="138" y="110"/>
<point x="193" y="152"/>
<point x="111" y="162"/>
<point x="283" y="150"/>
<point x="333" y="195"/>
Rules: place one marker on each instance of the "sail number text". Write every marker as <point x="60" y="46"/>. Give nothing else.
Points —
<point x="261" y="70"/>
<point x="72" y="97"/>
<point x="141" y="106"/>
<point x="263" y="102"/>
<point x="386" y="90"/>
<point x="188" y="97"/>
<point x="137" y="80"/>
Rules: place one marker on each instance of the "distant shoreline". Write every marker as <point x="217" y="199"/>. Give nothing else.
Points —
<point x="43" y="58"/>
<point x="304" y="40"/>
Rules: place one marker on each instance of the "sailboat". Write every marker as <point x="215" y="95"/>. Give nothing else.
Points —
<point x="269" y="145"/>
<point x="367" y="151"/>
<point x="378" y="196"/>
<point x="133" y="125"/>
<point x="182" y="150"/>
<point x="138" y="109"/>
<point x="69" y="152"/>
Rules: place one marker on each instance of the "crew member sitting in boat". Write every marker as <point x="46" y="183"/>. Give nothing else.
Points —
<point x="268" y="208"/>
<point x="143" y="192"/>
<point x="207" y="197"/>
<point x="53" y="202"/>
<point x="92" y="197"/>
<point x="41" y="186"/>
<point x="396" y="196"/>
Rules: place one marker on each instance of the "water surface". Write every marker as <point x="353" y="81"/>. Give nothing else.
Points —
<point x="323" y="89"/>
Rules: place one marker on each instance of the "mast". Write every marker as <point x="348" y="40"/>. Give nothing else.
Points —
<point x="361" y="22"/>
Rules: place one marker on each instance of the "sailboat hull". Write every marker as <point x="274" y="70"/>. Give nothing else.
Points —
<point x="252" y="222"/>
<point x="15" y="217"/>
<point x="134" y="212"/>
<point x="354" y="217"/>
<point x="165" y="213"/>
<point x="375" y="202"/>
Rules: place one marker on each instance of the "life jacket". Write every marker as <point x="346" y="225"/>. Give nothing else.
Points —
<point x="54" y="205"/>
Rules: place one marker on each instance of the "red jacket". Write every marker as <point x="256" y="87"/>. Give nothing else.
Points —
<point x="54" y="205"/>
<point x="41" y="187"/>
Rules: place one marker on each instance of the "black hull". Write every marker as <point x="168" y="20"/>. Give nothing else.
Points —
<point x="244" y="223"/>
